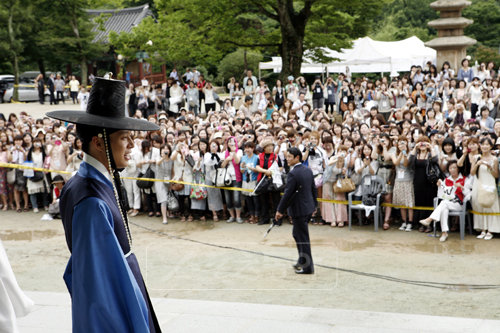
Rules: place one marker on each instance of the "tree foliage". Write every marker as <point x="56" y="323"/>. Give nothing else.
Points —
<point x="233" y="64"/>
<point x="202" y="32"/>
<point x="486" y="26"/>
<point x="401" y="19"/>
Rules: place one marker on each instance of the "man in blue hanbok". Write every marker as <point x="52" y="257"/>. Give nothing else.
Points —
<point x="103" y="276"/>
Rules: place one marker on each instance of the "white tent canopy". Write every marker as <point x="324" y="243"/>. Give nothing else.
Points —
<point x="367" y="56"/>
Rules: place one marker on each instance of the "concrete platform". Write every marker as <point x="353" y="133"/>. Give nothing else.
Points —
<point x="52" y="313"/>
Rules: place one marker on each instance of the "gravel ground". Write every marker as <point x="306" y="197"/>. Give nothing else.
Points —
<point x="233" y="262"/>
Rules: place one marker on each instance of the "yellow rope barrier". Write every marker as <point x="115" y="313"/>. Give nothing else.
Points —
<point x="341" y="202"/>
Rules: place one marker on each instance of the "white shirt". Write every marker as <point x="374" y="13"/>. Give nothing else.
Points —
<point x="98" y="165"/>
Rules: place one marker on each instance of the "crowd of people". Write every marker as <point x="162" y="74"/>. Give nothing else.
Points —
<point x="430" y="133"/>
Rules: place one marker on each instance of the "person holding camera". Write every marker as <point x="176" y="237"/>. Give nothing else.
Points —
<point x="317" y="93"/>
<point x="424" y="190"/>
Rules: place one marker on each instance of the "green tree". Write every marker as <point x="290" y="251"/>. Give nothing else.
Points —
<point x="486" y="26"/>
<point x="201" y="32"/>
<point x="401" y="19"/>
<point x="16" y="17"/>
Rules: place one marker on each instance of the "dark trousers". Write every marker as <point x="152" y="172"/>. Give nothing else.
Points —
<point x="329" y="106"/>
<point x="52" y="97"/>
<point x="301" y="236"/>
<point x="60" y="96"/>
<point x="266" y="200"/>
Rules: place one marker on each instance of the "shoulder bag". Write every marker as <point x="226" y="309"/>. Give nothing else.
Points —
<point x="433" y="171"/>
<point x="172" y="202"/>
<point x="145" y="184"/>
<point x="343" y="185"/>
<point x="222" y="177"/>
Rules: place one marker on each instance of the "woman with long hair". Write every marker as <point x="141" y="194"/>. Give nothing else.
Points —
<point x="424" y="190"/>
<point x="403" y="184"/>
<point x="231" y="161"/>
<point x="37" y="186"/>
<point x="484" y="193"/>
<point x="211" y="160"/>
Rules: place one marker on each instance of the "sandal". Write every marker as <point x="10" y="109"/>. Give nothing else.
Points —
<point x="203" y="219"/>
<point x="151" y="214"/>
<point x="26" y="209"/>
<point x="386" y="225"/>
<point x="215" y="218"/>
<point x="340" y="224"/>
<point x="158" y="214"/>
<point x="333" y="224"/>
<point x="183" y="219"/>
<point x="190" y="218"/>
<point x="19" y="210"/>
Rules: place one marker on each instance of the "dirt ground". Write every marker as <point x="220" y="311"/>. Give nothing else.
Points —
<point x="232" y="262"/>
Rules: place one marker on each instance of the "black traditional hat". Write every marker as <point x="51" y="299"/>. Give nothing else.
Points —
<point x="106" y="109"/>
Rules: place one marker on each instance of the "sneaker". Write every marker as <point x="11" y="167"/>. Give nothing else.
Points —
<point x="443" y="238"/>
<point x="231" y="220"/>
<point x="481" y="236"/>
<point x="408" y="227"/>
<point x="488" y="236"/>
<point x="35" y="210"/>
<point x="402" y="227"/>
<point x="239" y="220"/>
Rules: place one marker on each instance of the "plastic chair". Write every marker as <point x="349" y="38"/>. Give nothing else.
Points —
<point x="370" y="186"/>
<point x="462" y="214"/>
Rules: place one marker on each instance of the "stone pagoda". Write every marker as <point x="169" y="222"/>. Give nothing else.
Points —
<point x="451" y="44"/>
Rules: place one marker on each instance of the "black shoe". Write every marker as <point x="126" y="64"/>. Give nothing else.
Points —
<point x="278" y="224"/>
<point x="302" y="271"/>
<point x="261" y="222"/>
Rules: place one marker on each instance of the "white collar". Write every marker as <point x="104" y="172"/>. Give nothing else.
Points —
<point x="294" y="166"/>
<point x="98" y="165"/>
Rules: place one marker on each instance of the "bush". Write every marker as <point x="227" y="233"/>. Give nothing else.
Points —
<point x="233" y="64"/>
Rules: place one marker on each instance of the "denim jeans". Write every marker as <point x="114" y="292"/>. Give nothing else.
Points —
<point x="233" y="198"/>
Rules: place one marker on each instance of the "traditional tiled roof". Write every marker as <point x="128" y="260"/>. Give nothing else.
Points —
<point x="119" y="20"/>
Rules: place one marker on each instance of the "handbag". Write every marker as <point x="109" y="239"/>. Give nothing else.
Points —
<point x="486" y="195"/>
<point x="20" y="179"/>
<point x="172" y="202"/>
<point x="344" y="185"/>
<point x="318" y="180"/>
<point x="263" y="185"/>
<point x="248" y="185"/>
<point x="199" y="192"/>
<point x="190" y="160"/>
<point x="37" y="176"/>
<point x="11" y="176"/>
<point x="145" y="184"/>
<point x="177" y="186"/>
<point x="222" y="177"/>
<point x="433" y="171"/>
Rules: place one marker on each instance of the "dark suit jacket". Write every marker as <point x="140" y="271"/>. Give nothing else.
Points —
<point x="304" y="202"/>
<point x="51" y="84"/>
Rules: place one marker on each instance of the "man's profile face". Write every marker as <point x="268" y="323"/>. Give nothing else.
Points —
<point x="290" y="159"/>
<point x="121" y="146"/>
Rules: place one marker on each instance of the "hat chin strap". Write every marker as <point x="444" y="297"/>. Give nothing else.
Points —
<point x="117" y="185"/>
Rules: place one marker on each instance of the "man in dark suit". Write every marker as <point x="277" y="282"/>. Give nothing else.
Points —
<point x="51" y="86"/>
<point x="300" y="198"/>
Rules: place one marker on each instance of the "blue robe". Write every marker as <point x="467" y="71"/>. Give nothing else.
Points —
<point x="106" y="287"/>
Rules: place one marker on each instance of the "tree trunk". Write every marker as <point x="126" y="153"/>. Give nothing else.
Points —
<point x="245" y="62"/>
<point x="292" y="38"/>
<point x="291" y="56"/>
<point x="41" y="67"/>
<point x="15" y="60"/>
<point x="84" y="71"/>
